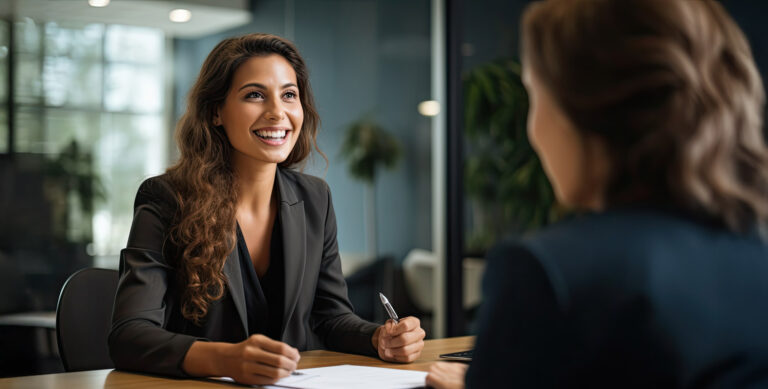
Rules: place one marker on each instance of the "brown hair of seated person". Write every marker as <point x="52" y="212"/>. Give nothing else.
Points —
<point x="204" y="228"/>
<point x="677" y="100"/>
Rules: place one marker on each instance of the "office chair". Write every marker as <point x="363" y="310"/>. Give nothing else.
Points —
<point x="84" y="318"/>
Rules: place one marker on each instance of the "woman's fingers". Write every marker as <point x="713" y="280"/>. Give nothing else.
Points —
<point x="264" y="360"/>
<point x="446" y="375"/>
<point x="270" y="359"/>
<point x="260" y="360"/>
<point x="406" y="324"/>
<point x="389" y="326"/>
<point x="407" y="353"/>
<point x="260" y="369"/>
<point x="402" y="342"/>
<point x="406" y="338"/>
<point x="274" y="346"/>
<point x="436" y="380"/>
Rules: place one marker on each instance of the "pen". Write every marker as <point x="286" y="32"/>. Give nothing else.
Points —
<point x="388" y="308"/>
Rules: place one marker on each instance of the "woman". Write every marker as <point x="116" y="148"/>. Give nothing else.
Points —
<point x="232" y="263"/>
<point x="648" y="114"/>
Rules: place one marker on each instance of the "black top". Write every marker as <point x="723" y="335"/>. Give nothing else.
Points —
<point x="263" y="296"/>
<point x="627" y="298"/>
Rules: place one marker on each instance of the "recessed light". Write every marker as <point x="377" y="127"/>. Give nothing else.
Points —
<point x="98" y="3"/>
<point x="429" y="108"/>
<point x="180" y="15"/>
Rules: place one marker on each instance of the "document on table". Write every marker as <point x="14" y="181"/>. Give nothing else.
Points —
<point x="352" y="376"/>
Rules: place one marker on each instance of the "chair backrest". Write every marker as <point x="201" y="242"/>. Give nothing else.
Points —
<point x="84" y="318"/>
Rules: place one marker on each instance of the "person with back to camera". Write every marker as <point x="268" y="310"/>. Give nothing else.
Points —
<point x="648" y="115"/>
<point x="232" y="263"/>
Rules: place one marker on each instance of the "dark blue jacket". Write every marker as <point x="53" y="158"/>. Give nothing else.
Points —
<point x="625" y="298"/>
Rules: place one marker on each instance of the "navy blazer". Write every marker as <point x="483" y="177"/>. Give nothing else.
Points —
<point x="626" y="298"/>
<point x="149" y="333"/>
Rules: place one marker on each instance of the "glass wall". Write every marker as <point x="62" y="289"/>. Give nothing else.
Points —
<point x="4" y="51"/>
<point x="89" y="101"/>
<point x="505" y="188"/>
<point x="88" y="125"/>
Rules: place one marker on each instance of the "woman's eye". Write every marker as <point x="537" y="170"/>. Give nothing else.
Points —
<point x="290" y="95"/>
<point x="254" y="95"/>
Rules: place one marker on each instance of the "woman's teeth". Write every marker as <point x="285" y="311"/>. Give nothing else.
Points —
<point x="278" y="134"/>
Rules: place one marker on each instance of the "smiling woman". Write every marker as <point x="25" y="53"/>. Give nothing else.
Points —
<point x="232" y="263"/>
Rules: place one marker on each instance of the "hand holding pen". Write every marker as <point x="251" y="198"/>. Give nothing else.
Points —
<point x="398" y="340"/>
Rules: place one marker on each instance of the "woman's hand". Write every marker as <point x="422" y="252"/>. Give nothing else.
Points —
<point x="257" y="360"/>
<point x="260" y="360"/>
<point x="401" y="342"/>
<point x="447" y="375"/>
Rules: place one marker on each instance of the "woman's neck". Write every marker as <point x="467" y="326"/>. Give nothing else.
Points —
<point x="255" y="183"/>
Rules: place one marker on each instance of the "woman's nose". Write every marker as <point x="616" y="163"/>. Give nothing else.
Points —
<point x="275" y="111"/>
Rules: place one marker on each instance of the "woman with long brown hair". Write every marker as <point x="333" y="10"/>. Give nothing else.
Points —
<point x="232" y="263"/>
<point x="647" y="114"/>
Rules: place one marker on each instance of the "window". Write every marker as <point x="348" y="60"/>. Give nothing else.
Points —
<point x="89" y="98"/>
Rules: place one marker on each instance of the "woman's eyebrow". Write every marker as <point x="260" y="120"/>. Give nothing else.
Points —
<point x="261" y="86"/>
<point x="252" y="84"/>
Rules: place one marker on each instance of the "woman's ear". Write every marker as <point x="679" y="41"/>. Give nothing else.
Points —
<point x="217" y="120"/>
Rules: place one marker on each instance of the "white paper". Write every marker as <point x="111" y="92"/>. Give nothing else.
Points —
<point x="353" y="377"/>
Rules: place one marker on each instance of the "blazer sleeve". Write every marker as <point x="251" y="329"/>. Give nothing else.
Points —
<point x="138" y="340"/>
<point x="333" y="319"/>
<point x="520" y="341"/>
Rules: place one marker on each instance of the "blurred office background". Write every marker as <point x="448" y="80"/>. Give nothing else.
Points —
<point x="90" y="92"/>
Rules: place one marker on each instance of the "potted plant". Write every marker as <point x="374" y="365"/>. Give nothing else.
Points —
<point x="504" y="179"/>
<point x="367" y="147"/>
<point x="73" y="188"/>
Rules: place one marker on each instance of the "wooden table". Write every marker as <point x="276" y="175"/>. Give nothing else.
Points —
<point x="112" y="379"/>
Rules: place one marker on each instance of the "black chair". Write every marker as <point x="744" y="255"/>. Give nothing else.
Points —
<point x="84" y="318"/>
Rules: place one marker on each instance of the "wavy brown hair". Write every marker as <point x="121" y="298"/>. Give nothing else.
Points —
<point x="672" y="89"/>
<point x="204" y="226"/>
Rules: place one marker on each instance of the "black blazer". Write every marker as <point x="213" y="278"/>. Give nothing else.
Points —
<point x="149" y="333"/>
<point x="627" y="298"/>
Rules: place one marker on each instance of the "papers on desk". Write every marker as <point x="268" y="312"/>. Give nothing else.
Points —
<point x="351" y="376"/>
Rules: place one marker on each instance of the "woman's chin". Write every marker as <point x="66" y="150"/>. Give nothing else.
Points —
<point x="278" y="159"/>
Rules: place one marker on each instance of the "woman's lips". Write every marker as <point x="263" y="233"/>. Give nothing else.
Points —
<point x="272" y="137"/>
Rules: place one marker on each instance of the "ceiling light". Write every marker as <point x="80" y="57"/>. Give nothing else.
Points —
<point x="98" y="3"/>
<point x="429" y="108"/>
<point x="180" y="15"/>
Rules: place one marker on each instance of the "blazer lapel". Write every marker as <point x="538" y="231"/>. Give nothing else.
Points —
<point x="294" y="243"/>
<point x="234" y="277"/>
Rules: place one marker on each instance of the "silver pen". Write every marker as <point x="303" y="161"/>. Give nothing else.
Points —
<point x="388" y="308"/>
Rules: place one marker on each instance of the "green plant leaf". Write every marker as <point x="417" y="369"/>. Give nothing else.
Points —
<point x="366" y="146"/>
<point x="502" y="171"/>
